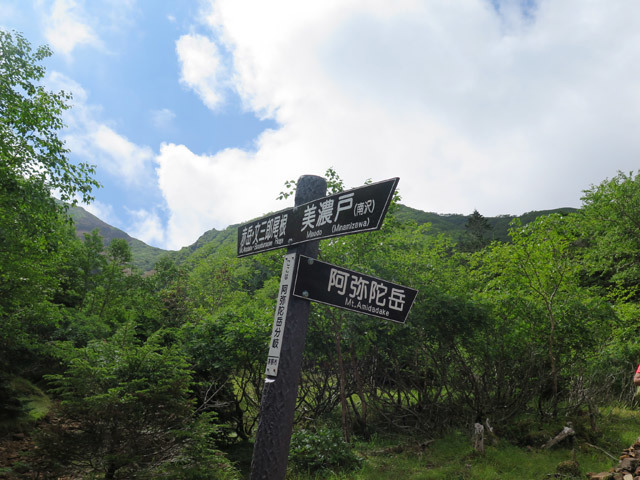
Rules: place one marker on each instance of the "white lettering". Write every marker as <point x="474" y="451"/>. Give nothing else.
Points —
<point x="359" y="287"/>
<point x="345" y="202"/>
<point x="326" y="210"/>
<point x="338" y="279"/>
<point x="377" y="293"/>
<point x="283" y="225"/>
<point x="309" y="217"/>
<point x="396" y="299"/>
<point x="351" y="226"/>
<point x="362" y="208"/>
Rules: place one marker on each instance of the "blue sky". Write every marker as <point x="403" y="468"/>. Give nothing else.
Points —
<point x="195" y="113"/>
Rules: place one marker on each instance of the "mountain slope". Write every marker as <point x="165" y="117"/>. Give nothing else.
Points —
<point x="144" y="256"/>
<point x="453" y="224"/>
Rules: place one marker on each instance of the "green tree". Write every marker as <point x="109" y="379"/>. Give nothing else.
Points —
<point x="119" y="256"/>
<point x="33" y="233"/>
<point x="533" y="282"/>
<point x="170" y="283"/>
<point x="609" y="224"/>
<point x="30" y="118"/>
<point x="130" y="406"/>
<point x="475" y="236"/>
<point x="228" y="346"/>
<point x="608" y="232"/>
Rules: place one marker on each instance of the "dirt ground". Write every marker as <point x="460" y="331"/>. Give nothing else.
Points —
<point x="12" y="450"/>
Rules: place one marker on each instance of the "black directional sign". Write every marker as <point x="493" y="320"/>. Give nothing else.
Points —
<point x="339" y="287"/>
<point x="358" y="210"/>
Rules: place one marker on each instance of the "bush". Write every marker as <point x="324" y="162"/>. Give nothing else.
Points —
<point x="125" y="404"/>
<point x="323" y="449"/>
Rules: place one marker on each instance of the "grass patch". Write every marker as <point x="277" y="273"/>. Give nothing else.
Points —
<point x="411" y="457"/>
<point x="620" y="427"/>
<point x="453" y="457"/>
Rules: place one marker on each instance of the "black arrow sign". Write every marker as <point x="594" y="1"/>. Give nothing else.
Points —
<point x="326" y="283"/>
<point x="358" y="210"/>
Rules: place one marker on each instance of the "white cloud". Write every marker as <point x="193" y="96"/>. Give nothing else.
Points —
<point x="67" y="26"/>
<point x="473" y="107"/>
<point x="200" y="65"/>
<point x="146" y="226"/>
<point x="57" y="81"/>
<point x="98" y="143"/>
<point x="93" y="141"/>
<point x="118" y="155"/>
<point x="197" y="189"/>
<point x="504" y="111"/>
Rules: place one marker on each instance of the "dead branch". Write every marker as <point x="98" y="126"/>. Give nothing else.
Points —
<point x="603" y="451"/>
<point x="567" y="431"/>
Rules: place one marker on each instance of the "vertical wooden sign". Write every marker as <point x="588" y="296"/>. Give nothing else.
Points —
<point x="280" y="320"/>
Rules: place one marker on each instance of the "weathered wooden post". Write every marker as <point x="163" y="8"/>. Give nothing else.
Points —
<point x="305" y="279"/>
<point x="271" y="448"/>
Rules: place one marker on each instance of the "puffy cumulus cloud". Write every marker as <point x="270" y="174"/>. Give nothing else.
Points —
<point x="213" y="191"/>
<point x="66" y="26"/>
<point x="474" y="104"/>
<point x="200" y="68"/>
<point x="200" y="190"/>
<point x="146" y="226"/>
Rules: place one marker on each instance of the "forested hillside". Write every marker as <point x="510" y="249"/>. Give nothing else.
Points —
<point x="457" y="227"/>
<point x="143" y="256"/>
<point x="108" y="372"/>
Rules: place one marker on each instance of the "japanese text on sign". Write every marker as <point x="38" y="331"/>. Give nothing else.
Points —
<point x="281" y="315"/>
<point x="264" y="234"/>
<point x="372" y="291"/>
<point x="358" y="210"/>
<point x="325" y="283"/>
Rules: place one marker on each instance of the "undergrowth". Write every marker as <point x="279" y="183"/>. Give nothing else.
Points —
<point x="452" y="456"/>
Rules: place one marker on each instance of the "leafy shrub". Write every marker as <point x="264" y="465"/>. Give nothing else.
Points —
<point x="323" y="449"/>
<point x="125" y="404"/>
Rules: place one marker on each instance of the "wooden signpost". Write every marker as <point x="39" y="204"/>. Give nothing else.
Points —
<point x="304" y="278"/>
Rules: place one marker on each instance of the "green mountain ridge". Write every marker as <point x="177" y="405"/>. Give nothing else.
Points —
<point x="453" y="224"/>
<point x="145" y="256"/>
